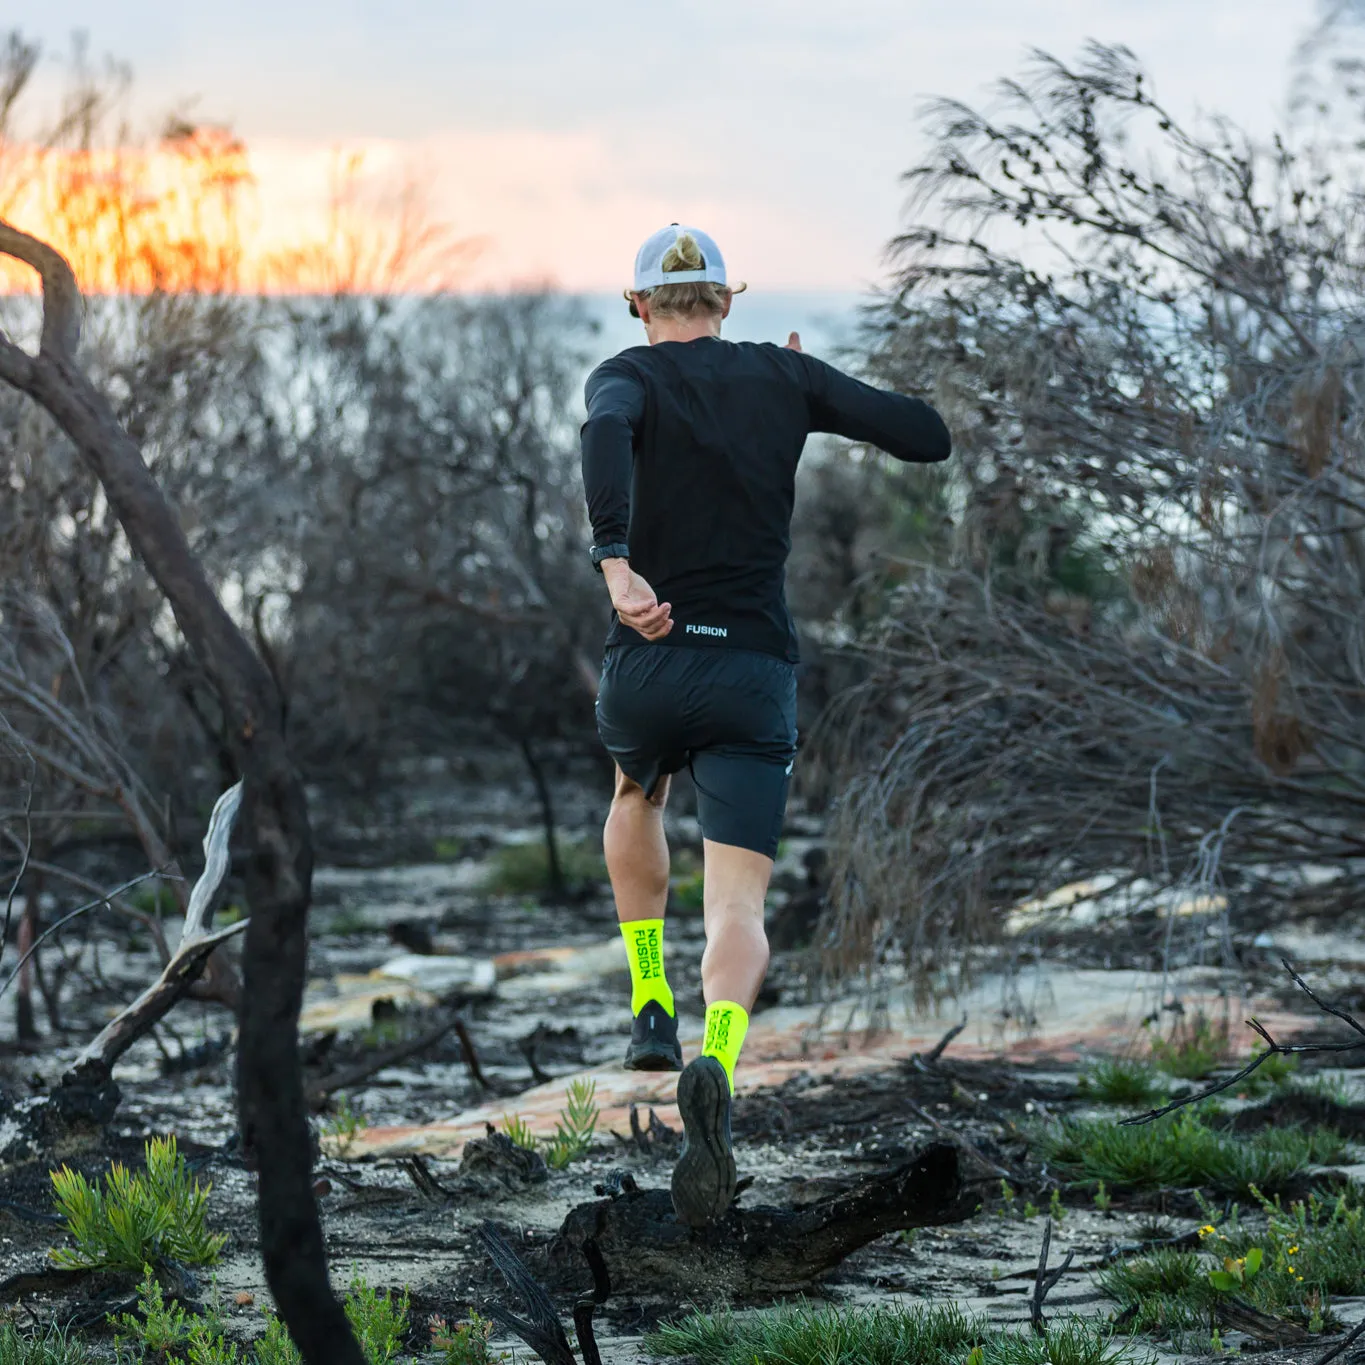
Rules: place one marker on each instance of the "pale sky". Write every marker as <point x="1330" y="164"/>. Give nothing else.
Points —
<point x="563" y="134"/>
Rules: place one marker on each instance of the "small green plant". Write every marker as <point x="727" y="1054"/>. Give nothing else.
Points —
<point x="159" y="1332"/>
<point x="275" y="1346"/>
<point x="1056" y="1209"/>
<point x="1030" y="1209"/>
<point x="1007" y="1199"/>
<point x="47" y="1346"/>
<point x="524" y="869"/>
<point x="1103" y="1199"/>
<point x="1192" y="1050"/>
<point x="448" y="850"/>
<point x="383" y="1033"/>
<point x="519" y="1131"/>
<point x="689" y="891"/>
<point x="464" y="1343"/>
<point x="1122" y="1080"/>
<point x="573" y="1133"/>
<point x="379" y="1320"/>
<point x="576" y="1127"/>
<point x="344" y="1126"/>
<point x="1237" y="1271"/>
<point x="138" y="1218"/>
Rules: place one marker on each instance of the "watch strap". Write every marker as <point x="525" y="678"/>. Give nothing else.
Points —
<point x="601" y="552"/>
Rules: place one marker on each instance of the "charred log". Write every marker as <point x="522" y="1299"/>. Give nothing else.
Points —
<point x="756" y="1252"/>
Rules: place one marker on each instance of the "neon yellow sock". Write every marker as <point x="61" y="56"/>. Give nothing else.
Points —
<point x="726" y="1025"/>
<point x="645" y="952"/>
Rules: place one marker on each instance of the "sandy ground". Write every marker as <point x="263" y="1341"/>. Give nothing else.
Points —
<point x="828" y="1089"/>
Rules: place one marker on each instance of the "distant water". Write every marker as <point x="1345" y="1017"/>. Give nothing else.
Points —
<point x="826" y="321"/>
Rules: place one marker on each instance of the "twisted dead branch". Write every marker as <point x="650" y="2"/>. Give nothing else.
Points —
<point x="198" y="940"/>
<point x="279" y="866"/>
<point x="1272" y="1049"/>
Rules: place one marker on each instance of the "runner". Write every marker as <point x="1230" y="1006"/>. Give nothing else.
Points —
<point x="689" y="463"/>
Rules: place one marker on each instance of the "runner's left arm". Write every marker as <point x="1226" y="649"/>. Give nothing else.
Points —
<point x="616" y="411"/>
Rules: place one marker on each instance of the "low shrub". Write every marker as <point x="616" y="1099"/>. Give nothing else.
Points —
<point x="1291" y="1268"/>
<point x="138" y="1218"/>
<point x="162" y="1334"/>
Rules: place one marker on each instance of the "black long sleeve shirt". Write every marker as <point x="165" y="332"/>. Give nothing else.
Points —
<point x="689" y="456"/>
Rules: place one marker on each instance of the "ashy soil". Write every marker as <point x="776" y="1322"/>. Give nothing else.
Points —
<point x="814" y="1115"/>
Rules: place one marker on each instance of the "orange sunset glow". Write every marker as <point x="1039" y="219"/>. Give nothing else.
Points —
<point x="184" y="216"/>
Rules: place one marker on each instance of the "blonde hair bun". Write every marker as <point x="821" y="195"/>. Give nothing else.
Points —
<point x="684" y="254"/>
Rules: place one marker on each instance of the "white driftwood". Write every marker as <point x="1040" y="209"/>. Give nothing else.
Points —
<point x="197" y="941"/>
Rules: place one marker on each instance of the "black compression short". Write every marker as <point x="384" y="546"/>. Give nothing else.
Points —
<point x="728" y="715"/>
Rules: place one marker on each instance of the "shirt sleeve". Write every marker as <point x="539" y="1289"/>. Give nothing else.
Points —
<point x="616" y="410"/>
<point x="906" y="428"/>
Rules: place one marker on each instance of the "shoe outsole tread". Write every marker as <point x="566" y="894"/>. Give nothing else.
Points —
<point x="704" y="1178"/>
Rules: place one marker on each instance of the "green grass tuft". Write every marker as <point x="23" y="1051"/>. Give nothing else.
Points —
<point x="1122" y="1080"/>
<point x="926" y="1334"/>
<point x="524" y="869"/>
<point x="138" y="1218"/>
<point x="1182" y="1151"/>
<point x="1193" y="1050"/>
<point x="48" y="1346"/>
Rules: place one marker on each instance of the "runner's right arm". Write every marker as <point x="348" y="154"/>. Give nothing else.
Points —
<point x="906" y="428"/>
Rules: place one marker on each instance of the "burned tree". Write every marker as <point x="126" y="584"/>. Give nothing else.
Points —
<point x="279" y="865"/>
<point x="1138" y="647"/>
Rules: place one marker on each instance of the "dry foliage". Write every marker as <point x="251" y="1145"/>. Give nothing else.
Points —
<point x="1141" y="647"/>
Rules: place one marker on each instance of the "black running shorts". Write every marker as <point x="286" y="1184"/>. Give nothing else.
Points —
<point x="728" y="715"/>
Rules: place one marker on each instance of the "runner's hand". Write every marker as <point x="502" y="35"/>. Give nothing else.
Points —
<point x="794" y="342"/>
<point x="635" y="601"/>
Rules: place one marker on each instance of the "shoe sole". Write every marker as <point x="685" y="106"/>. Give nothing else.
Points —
<point x="657" y="1056"/>
<point x="704" y="1178"/>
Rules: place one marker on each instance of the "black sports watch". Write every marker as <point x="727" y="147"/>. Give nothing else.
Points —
<point x="601" y="552"/>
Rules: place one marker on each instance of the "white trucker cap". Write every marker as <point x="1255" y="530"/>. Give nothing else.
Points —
<point x="649" y="271"/>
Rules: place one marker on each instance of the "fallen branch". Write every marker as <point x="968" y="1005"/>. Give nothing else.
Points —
<point x="760" y="1251"/>
<point x="471" y="1057"/>
<point x="1344" y="1344"/>
<point x="197" y="942"/>
<point x="1272" y="1049"/>
<point x="542" y="1330"/>
<point x="931" y="1058"/>
<point x="587" y="1304"/>
<point x="348" y="1076"/>
<point x="428" y="1186"/>
<point x="1044" y="1282"/>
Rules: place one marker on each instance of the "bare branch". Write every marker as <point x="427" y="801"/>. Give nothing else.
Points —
<point x="61" y="298"/>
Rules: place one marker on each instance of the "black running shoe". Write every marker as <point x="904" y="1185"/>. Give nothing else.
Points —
<point x="654" y="1044"/>
<point x="704" y="1178"/>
